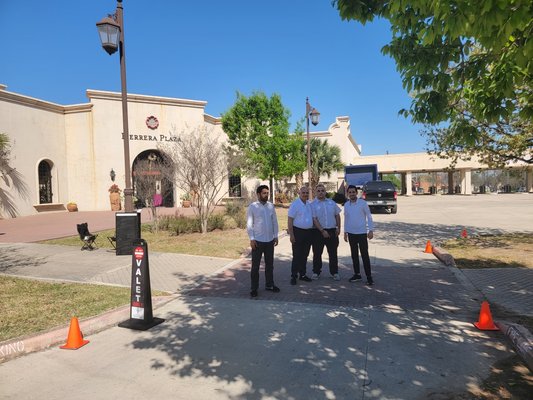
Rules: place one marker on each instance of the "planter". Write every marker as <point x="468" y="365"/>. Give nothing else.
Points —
<point x="72" y="207"/>
<point x="186" y="203"/>
<point x="114" y="199"/>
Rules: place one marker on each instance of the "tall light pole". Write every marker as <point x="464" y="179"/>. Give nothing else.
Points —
<point x="111" y="31"/>
<point x="315" y="117"/>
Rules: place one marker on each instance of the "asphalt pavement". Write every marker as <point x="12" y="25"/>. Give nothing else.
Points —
<point x="410" y="336"/>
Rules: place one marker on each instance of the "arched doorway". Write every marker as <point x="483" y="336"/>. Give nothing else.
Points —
<point x="151" y="183"/>
<point x="45" y="182"/>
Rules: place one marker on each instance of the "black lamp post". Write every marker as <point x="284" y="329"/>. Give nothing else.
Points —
<point x="111" y="31"/>
<point x="315" y="117"/>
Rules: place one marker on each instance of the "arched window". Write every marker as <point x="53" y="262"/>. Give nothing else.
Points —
<point x="45" y="182"/>
<point x="234" y="182"/>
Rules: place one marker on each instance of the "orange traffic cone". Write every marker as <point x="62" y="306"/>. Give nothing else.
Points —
<point x="485" y="322"/>
<point x="464" y="235"/>
<point x="75" y="337"/>
<point x="429" y="249"/>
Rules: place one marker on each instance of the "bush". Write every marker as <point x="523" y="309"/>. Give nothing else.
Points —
<point x="284" y="198"/>
<point x="215" y="221"/>
<point x="237" y="211"/>
<point x="229" y="222"/>
<point x="179" y="224"/>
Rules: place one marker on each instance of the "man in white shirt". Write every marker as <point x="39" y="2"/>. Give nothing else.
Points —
<point x="300" y="227"/>
<point x="262" y="228"/>
<point x="358" y="227"/>
<point x="327" y="221"/>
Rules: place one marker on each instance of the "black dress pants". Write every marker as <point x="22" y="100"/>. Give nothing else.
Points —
<point x="331" y="243"/>
<point x="266" y="248"/>
<point x="303" y="239"/>
<point x="360" y="242"/>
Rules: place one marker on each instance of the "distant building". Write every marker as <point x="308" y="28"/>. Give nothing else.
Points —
<point x="74" y="152"/>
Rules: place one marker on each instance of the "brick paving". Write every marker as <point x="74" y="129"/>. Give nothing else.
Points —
<point x="401" y="287"/>
<point x="511" y="288"/>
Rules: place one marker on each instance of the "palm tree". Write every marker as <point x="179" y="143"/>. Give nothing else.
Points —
<point x="10" y="177"/>
<point x="325" y="159"/>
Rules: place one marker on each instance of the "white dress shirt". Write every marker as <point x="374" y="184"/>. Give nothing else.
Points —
<point x="301" y="214"/>
<point x="325" y="211"/>
<point x="261" y="222"/>
<point x="357" y="217"/>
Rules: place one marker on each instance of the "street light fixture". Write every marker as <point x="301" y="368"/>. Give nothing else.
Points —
<point x="315" y="117"/>
<point x="111" y="32"/>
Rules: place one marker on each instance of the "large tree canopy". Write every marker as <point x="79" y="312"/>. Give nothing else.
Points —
<point x="467" y="64"/>
<point x="259" y="127"/>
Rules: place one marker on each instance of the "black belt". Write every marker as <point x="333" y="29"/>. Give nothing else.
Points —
<point x="302" y="229"/>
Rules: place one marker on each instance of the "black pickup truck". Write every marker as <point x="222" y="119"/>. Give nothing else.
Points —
<point x="381" y="194"/>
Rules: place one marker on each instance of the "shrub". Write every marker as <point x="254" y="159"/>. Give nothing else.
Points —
<point x="179" y="224"/>
<point x="237" y="211"/>
<point x="215" y="221"/>
<point x="229" y="222"/>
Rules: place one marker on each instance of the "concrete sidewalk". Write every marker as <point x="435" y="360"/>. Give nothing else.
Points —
<point x="410" y="336"/>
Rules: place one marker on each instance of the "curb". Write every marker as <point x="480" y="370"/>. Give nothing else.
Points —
<point x="519" y="336"/>
<point x="14" y="348"/>
<point x="521" y="339"/>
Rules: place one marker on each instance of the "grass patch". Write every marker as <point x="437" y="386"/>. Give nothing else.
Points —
<point x="512" y="250"/>
<point x="228" y="243"/>
<point x="29" y="306"/>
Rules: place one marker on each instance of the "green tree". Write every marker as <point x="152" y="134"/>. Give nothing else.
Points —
<point x="468" y="65"/>
<point x="259" y="127"/>
<point x="325" y="159"/>
<point x="394" y="179"/>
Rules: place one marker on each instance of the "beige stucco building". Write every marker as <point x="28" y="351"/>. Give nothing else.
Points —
<point x="62" y="153"/>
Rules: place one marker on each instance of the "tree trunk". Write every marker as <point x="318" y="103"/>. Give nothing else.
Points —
<point x="272" y="190"/>
<point x="299" y="178"/>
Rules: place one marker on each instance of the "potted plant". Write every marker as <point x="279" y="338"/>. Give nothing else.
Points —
<point x="114" y="197"/>
<point x="72" y="206"/>
<point x="186" y="200"/>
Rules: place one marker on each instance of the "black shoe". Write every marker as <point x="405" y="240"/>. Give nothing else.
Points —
<point x="293" y="281"/>
<point x="305" y="278"/>
<point x="272" y="288"/>
<point x="355" y="278"/>
<point x="370" y="282"/>
<point x="253" y="293"/>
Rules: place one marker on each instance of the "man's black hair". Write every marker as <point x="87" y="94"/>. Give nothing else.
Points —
<point x="260" y="188"/>
<point x="352" y="187"/>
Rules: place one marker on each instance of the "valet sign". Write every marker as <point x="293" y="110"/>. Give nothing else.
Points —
<point x="137" y="305"/>
<point x="141" y="316"/>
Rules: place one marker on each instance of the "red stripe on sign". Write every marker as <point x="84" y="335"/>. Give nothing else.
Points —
<point x="136" y="304"/>
<point x="139" y="253"/>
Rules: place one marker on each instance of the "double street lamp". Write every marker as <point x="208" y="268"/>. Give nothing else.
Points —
<point x="313" y="114"/>
<point x="111" y="31"/>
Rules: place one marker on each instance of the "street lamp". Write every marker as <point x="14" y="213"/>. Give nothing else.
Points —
<point x="315" y="117"/>
<point x="111" y="32"/>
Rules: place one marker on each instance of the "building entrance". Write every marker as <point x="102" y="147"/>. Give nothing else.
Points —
<point x="151" y="184"/>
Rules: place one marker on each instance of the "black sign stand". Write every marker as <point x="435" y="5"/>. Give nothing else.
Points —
<point x="141" y="316"/>
<point x="128" y="229"/>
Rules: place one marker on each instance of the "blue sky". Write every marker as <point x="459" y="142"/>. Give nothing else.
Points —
<point x="208" y="50"/>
